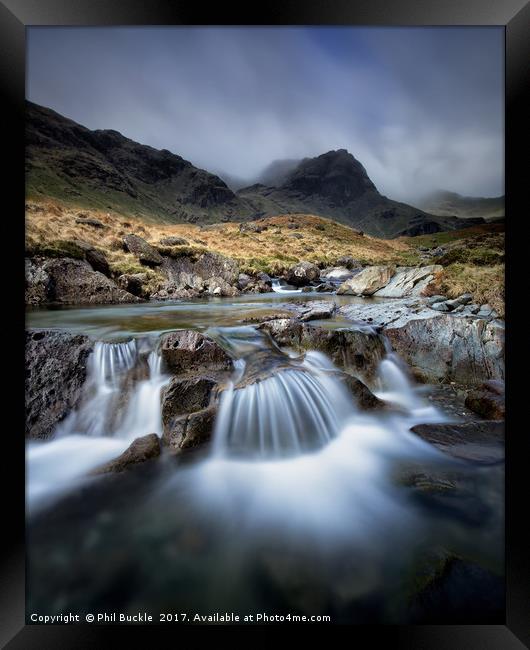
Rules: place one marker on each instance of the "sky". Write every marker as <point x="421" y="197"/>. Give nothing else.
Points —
<point x="421" y="108"/>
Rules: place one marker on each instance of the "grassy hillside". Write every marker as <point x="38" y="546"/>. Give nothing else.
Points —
<point x="473" y="259"/>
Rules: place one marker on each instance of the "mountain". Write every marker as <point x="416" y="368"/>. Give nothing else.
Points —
<point x="103" y="169"/>
<point x="446" y="203"/>
<point x="336" y="185"/>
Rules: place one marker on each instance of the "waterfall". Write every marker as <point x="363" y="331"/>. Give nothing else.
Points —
<point x="121" y="401"/>
<point x="277" y="406"/>
<point x="278" y="286"/>
<point x="122" y="393"/>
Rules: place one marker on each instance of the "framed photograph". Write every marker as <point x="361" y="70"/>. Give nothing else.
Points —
<point x="266" y="322"/>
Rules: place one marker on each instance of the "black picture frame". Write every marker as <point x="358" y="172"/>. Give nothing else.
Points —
<point x="15" y="16"/>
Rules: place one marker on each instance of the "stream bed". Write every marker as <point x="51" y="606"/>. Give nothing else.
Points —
<point x="303" y="504"/>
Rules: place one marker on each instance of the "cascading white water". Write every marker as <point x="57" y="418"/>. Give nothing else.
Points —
<point x="121" y="402"/>
<point x="280" y="287"/>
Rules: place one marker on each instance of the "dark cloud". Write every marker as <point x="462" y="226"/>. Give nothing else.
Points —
<point x="421" y="108"/>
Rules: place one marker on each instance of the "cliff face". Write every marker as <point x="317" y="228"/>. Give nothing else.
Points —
<point x="103" y="169"/>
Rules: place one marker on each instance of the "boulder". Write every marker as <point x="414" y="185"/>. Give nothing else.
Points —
<point x="487" y="400"/>
<point x="37" y="283"/>
<point x="264" y="277"/>
<point x="191" y="430"/>
<point x="186" y="350"/>
<point x="146" y="253"/>
<point x="189" y="406"/>
<point x="448" y="348"/>
<point x="173" y="241"/>
<point x="480" y="442"/>
<point x="218" y="286"/>
<point x="337" y="274"/>
<point x="243" y="280"/>
<point x="349" y="262"/>
<point x="312" y="310"/>
<point x="440" y="306"/>
<point x="133" y="283"/>
<point x="362" y="395"/>
<point x="141" y="449"/>
<point x="98" y="261"/>
<point x="184" y="272"/>
<point x="55" y="374"/>
<point x="367" y="281"/>
<point x="90" y="221"/>
<point x="355" y="350"/>
<point x="409" y="281"/>
<point x="302" y="273"/>
<point x="75" y="282"/>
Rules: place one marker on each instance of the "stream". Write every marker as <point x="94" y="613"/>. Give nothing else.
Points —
<point x="303" y="504"/>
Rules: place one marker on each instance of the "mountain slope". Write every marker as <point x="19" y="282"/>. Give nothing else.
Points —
<point x="103" y="169"/>
<point x="336" y="185"/>
<point x="446" y="203"/>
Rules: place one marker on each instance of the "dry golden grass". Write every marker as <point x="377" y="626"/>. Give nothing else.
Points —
<point x="273" y="249"/>
<point x="51" y="224"/>
<point x="486" y="283"/>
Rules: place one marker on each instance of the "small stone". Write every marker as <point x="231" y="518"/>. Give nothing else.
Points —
<point x="440" y="306"/>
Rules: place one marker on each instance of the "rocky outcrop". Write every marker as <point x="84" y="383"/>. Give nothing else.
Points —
<point x="363" y="396"/>
<point x="480" y="442"/>
<point x="210" y="273"/>
<point x="337" y="274"/>
<point x="186" y="350"/>
<point x="367" y="282"/>
<point x="55" y="374"/>
<point x="302" y="273"/>
<point x="445" y="348"/>
<point x="69" y="281"/>
<point x="359" y="351"/>
<point x="146" y="253"/>
<point x="487" y="400"/>
<point x="189" y="406"/>
<point x="141" y="449"/>
<point x="133" y="283"/>
<point x="312" y="309"/>
<point x="409" y="281"/>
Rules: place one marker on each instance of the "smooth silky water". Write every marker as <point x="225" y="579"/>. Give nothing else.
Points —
<point x="303" y="504"/>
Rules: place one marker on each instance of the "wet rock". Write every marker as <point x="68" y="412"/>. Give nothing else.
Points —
<point x="55" y="374"/>
<point x="146" y="253"/>
<point x="362" y="395"/>
<point x="349" y="262"/>
<point x="186" y="350"/>
<point x="285" y="331"/>
<point x="434" y="299"/>
<point x="312" y="310"/>
<point x="367" y="282"/>
<point x="337" y="274"/>
<point x="440" y="306"/>
<point x="90" y="221"/>
<point x="264" y="277"/>
<point x="98" y="261"/>
<point x="396" y="312"/>
<point x="325" y="287"/>
<point x="37" y="283"/>
<point x="173" y="241"/>
<point x="217" y="286"/>
<point x="243" y="281"/>
<point x="355" y="350"/>
<point x="448" y="348"/>
<point x="302" y="274"/>
<point x="409" y="281"/>
<point x="69" y="281"/>
<point x="191" y="431"/>
<point x="488" y="400"/>
<point x="133" y="283"/>
<point x="480" y="442"/>
<point x="141" y="449"/>
<point x="184" y="272"/>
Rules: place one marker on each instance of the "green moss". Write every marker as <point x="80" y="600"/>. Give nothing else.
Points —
<point x="55" y="248"/>
<point x="127" y="267"/>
